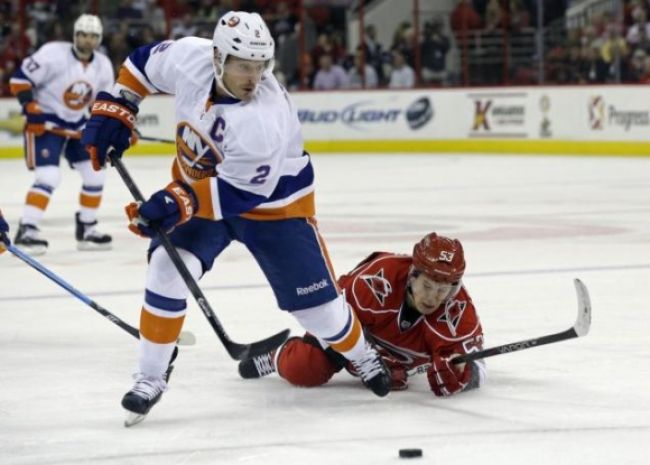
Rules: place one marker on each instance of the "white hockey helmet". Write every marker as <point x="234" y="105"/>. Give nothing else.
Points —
<point x="90" y="24"/>
<point x="244" y="35"/>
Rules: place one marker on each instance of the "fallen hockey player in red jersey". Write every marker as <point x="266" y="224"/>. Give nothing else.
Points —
<point x="416" y="311"/>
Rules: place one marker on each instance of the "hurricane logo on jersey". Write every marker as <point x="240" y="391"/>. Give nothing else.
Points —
<point x="452" y="315"/>
<point x="379" y="286"/>
<point x="78" y="95"/>
<point x="197" y="157"/>
<point x="402" y="355"/>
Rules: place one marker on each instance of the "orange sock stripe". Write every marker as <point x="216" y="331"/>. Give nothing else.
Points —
<point x="351" y="339"/>
<point x="158" y="329"/>
<point x="90" y="201"/>
<point x="323" y="249"/>
<point x="38" y="200"/>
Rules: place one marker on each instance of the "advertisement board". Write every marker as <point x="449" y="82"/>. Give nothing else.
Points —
<point x="572" y="119"/>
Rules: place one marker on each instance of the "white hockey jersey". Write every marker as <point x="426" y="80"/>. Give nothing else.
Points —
<point x="242" y="158"/>
<point x="63" y="86"/>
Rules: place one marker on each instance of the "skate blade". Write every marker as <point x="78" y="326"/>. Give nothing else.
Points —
<point x="133" y="418"/>
<point x="89" y="246"/>
<point x="33" y="250"/>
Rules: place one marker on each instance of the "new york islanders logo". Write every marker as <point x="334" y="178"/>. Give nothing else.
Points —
<point x="379" y="286"/>
<point x="452" y="315"/>
<point x="78" y="95"/>
<point x="197" y="157"/>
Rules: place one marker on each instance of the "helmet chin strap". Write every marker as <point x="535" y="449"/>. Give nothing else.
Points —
<point x="218" y="74"/>
<point x="222" y="85"/>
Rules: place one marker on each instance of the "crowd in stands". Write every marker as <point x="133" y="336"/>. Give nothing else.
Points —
<point x="494" y="40"/>
<point x="606" y="49"/>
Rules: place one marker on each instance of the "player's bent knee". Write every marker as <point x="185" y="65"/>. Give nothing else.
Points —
<point x="89" y="175"/>
<point x="164" y="279"/>
<point x="303" y="364"/>
<point x="49" y="176"/>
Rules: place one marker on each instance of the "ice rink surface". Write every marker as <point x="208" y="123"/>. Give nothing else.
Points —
<point x="529" y="226"/>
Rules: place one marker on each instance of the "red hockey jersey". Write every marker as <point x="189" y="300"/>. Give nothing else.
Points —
<point x="376" y="289"/>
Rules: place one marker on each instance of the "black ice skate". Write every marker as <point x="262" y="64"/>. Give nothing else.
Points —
<point x="146" y="393"/>
<point x="137" y="402"/>
<point x="373" y="372"/>
<point x="257" y="367"/>
<point x="29" y="240"/>
<point x="88" y="238"/>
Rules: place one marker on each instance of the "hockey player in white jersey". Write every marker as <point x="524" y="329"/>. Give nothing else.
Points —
<point x="240" y="173"/>
<point x="55" y="87"/>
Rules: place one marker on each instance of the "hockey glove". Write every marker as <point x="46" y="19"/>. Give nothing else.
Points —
<point x="167" y="208"/>
<point x="4" y="229"/>
<point x="445" y="378"/>
<point x="110" y="126"/>
<point x="34" y="118"/>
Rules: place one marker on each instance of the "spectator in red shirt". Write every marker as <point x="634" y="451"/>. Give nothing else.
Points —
<point x="465" y="18"/>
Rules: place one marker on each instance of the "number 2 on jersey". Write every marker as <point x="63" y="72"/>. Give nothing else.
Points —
<point x="263" y="171"/>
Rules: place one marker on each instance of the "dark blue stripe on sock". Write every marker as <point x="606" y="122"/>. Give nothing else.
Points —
<point x="43" y="187"/>
<point x="92" y="188"/>
<point x="164" y="303"/>
<point x="345" y="329"/>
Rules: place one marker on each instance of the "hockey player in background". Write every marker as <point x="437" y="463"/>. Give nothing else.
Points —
<point x="416" y="311"/>
<point x="55" y="87"/>
<point x="240" y="173"/>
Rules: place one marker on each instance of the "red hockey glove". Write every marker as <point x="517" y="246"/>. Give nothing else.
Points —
<point x="167" y="208"/>
<point x="445" y="378"/>
<point x="35" y="119"/>
<point x="110" y="126"/>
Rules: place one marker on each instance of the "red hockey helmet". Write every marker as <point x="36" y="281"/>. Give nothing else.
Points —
<point x="439" y="258"/>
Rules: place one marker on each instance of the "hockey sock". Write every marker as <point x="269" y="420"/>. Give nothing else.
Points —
<point x="46" y="180"/>
<point x="90" y="196"/>
<point x="336" y="325"/>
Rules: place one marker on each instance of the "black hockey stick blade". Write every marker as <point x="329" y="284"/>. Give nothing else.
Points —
<point x="246" y="351"/>
<point x="235" y="350"/>
<point x="579" y="329"/>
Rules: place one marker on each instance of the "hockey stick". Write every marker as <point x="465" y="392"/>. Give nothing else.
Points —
<point x="579" y="329"/>
<point x="235" y="350"/>
<point x="185" y="338"/>
<point x="154" y="139"/>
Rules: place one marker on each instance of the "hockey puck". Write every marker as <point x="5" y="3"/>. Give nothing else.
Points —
<point x="410" y="453"/>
